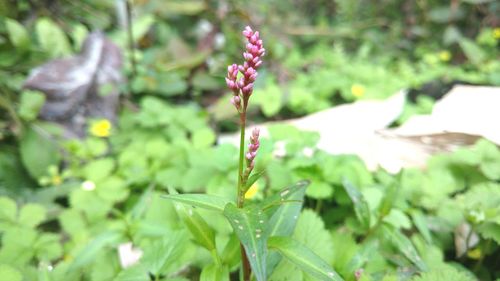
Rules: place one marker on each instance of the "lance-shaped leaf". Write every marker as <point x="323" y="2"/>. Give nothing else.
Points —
<point x="253" y="178"/>
<point x="249" y="224"/>
<point x="272" y="203"/>
<point x="303" y="258"/>
<point x="203" y="234"/>
<point x="404" y="245"/>
<point x="205" y="201"/>
<point x="283" y="221"/>
<point x="361" y="207"/>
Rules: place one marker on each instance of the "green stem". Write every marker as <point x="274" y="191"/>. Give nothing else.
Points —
<point x="241" y="189"/>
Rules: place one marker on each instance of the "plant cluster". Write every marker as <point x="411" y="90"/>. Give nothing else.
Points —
<point x="96" y="208"/>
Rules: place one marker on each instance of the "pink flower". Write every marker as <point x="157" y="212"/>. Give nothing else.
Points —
<point x="253" y="60"/>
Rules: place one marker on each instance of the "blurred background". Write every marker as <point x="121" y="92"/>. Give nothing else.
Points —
<point x="124" y="97"/>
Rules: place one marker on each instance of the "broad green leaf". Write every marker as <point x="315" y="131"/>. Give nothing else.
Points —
<point x="32" y="214"/>
<point x="52" y="38"/>
<point x="205" y="201"/>
<point x="490" y="231"/>
<point x="138" y="272"/>
<point x="249" y="224"/>
<point x="303" y="257"/>
<point x="90" y="251"/>
<point x="213" y="272"/>
<point x="9" y="273"/>
<point x="361" y="207"/>
<point x="404" y="245"/>
<point x="30" y="104"/>
<point x="17" y="34"/>
<point x="8" y="210"/>
<point x="283" y="221"/>
<point x="99" y="169"/>
<point x="38" y="151"/>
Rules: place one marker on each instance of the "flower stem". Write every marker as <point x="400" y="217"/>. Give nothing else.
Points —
<point x="241" y="191"/>
<point x="241" y="188"/>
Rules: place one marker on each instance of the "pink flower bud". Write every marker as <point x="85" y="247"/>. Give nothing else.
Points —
<point x="256" y="133"/>
<point x="247" y="56"/>
<point x="249" y="156"/>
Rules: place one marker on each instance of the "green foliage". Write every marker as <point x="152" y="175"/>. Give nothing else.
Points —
<point x="96" y="195"/>
<point x="304" y="258"/>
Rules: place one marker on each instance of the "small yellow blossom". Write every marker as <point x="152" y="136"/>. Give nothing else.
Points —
<point x="101" y="128"/>
<point x="252" y="191"/>
<point x="496" y="33"/>
<point x="56" y="180"/>
<point x="475" y="254"/>
<point x="358" y="90"/>
<point x="444" y="56"/>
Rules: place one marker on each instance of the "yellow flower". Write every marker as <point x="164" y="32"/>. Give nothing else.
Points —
<point x="496" y="33"/>
<point x="358" y="90"/>
<point x="101" y="128"/>
<point x="475" y="254"/>
<point x="252" y="191"/>
<point x="444" y="56"/>
<point x="56" y="180"/>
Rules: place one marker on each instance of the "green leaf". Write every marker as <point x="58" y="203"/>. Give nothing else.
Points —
<point x="270" y="99"/>
<point x="52" y="39"/>
<point x="404" y="245"/>
<point x="38" y="151"/>
<point x="202" y="232"/>
<point x="32" y="214"/>
<point x="474" y="53"/>
<point x="205" y="201"/>
<point x="249" y="224"/>
<point x="388" y="201"/>
<point x="99" y="169"/>
<point x="444" y="273"/>
<point x="17" y="34"/>
<point x="90" y="251"/>
<point x="283" y="222"/>
<point x="164" y="252"/>
<point x="137" y="272"/>
<point x="275" y="201"/>
<point x="361" y="207"/>
<point x="204" y="137"/>
<point x="30" y="104"/>
<point x="421" y="223"/>
<point x="303" y="257"/>
<point x="213" y="272"/>
<point x="8" y="210"/>
<point x="231" y="253"/>
<point x="490" y="231"/>
<point x="490" y="157"/>
<point x="8" y="272"/>
<point x="253" y="178"/>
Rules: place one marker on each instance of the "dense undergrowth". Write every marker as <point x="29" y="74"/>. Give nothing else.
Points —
<point x="70" y="208"/>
